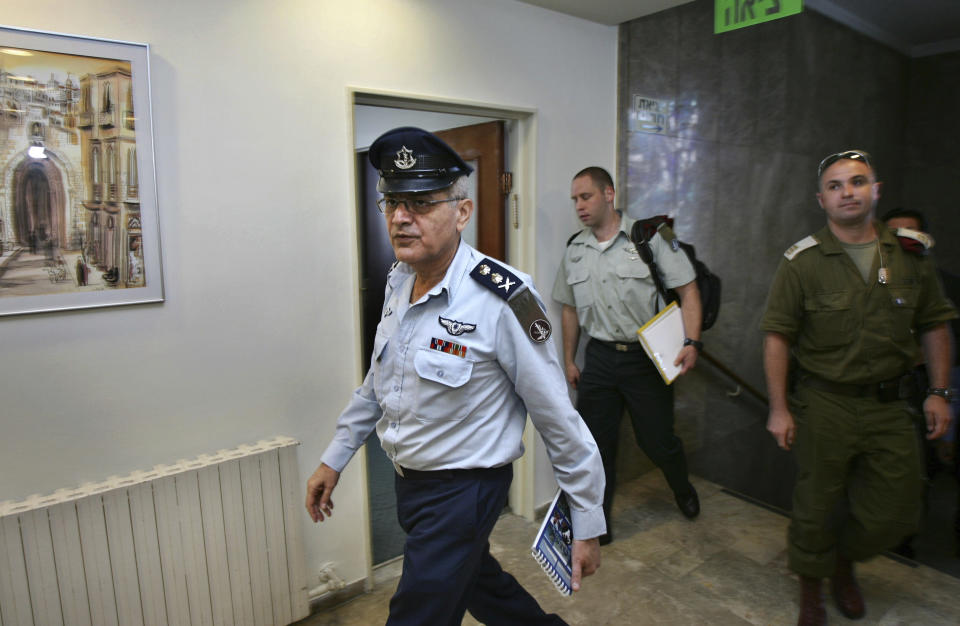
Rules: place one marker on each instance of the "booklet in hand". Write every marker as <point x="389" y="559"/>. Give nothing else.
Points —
<point x="553" y="546"/>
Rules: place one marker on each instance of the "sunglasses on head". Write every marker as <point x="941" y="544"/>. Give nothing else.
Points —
<point x="856" y="155"/>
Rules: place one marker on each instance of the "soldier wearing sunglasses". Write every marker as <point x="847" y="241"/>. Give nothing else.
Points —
<point x="849" y="304"/>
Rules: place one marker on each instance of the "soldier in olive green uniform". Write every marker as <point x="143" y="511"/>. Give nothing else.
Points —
<point x="852" y="304"/>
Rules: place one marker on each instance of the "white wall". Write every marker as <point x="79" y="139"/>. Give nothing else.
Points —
<point x="259" y="332"/>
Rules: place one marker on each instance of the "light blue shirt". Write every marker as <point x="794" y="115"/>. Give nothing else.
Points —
<point x="466" y="407"/>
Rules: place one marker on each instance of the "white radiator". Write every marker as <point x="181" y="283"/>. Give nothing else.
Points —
<point x="215" y="540"/>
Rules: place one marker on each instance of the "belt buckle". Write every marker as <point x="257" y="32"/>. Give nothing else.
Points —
<point x="621" y="347"/>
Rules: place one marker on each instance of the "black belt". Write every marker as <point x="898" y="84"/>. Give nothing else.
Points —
<point x="619" y="346"/>
<point x="901" y="387"/>
<point x="448" y="474"/>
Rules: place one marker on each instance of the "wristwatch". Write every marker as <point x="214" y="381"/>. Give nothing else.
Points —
<point x="693" y="342"/>
<point x="944" y="392"/>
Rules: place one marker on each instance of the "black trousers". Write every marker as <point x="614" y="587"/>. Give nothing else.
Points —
<point x="612" y="379"/>
<point x="447" y="565"/>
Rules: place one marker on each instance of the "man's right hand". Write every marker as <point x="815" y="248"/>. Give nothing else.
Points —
<point x="573" y="375"/>
<point x="781" y="426"/>
<point x="319" y="488"/>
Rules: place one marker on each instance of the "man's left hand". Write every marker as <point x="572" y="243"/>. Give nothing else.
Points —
<point x="937" y="411"/>
<point x="686" y="359"/>
<point x="586" y="559"/>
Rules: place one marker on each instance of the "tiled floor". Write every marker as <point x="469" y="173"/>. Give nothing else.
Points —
<point x="727" y="567"/>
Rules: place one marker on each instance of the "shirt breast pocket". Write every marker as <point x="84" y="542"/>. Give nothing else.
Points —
<point x="380" y="343"/>
<point x="440" y="378"/>
<point x="830" y="319"/>
<point x="903" y="300"/>
<point x="579" y="280"/>
<point x="633" y="268"/>
<point x="634" y="285"/>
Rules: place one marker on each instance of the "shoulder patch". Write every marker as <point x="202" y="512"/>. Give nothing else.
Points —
<point x="807" y="242"/>
<point x="508" y="286"/>
<point x="914" y="240"/>
<point x="666" y="232"/>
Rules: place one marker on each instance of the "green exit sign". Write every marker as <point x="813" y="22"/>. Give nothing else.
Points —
<point x="734" y="14"/>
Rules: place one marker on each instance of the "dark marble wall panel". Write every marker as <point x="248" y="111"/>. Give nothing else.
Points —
<point x="932" y="162"/>
<point x="754" y="112"/>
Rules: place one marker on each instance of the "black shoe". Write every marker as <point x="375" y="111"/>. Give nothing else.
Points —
<point x="689" y="503"/>
<point x="606" y="538"/>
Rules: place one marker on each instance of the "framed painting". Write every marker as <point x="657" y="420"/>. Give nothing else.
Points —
<point x="79" y="222"/>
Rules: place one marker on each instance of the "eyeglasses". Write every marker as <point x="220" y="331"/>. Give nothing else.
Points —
<point x="416" y="206"/>
<point x="856" y="155"/>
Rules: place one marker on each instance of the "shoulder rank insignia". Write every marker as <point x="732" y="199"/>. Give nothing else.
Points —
<point x="518" y="297"/>
<point x="807" y="242"/>
<point x="914" y="241"/>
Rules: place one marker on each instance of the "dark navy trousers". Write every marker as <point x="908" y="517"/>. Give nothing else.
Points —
<point x="447" y="565"/>
<point x="612" y="379"/>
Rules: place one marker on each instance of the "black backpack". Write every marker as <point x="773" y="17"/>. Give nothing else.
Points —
<point x="707" y="282"/>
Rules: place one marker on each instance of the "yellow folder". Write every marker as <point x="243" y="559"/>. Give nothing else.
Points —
<point x="662" y="338"/>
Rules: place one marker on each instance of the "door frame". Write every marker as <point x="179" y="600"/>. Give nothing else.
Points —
<point x="521" y="252"/>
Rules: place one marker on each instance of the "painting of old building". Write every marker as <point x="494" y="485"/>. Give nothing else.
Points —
<point x="70" y="193"/>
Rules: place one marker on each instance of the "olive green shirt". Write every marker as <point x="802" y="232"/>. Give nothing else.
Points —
<point x="612" y="288"/>
<point x="848" y="331"/>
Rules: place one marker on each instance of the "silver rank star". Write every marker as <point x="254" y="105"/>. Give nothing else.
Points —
<point x="497" y="279"/>
<point x="484" y="270"/>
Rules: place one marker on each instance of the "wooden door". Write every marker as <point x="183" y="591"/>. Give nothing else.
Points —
<point x="482" y="145"/>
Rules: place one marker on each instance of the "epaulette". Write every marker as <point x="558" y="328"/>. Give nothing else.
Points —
<point x="914" y="241"/>
<point x="807" y="242"/>
<point x="572" y="237"/>
<point x="668" y="235"/>
<point x="508" y="286"/>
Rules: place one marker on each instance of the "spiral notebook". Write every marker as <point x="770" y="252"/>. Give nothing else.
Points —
<point x="553" y="546"/>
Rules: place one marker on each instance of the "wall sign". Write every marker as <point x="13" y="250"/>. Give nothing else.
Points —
<point x="734" y="14"/>
<point x="649" y="115"/>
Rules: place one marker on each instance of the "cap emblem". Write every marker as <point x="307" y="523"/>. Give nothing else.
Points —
<point x="405" y="159"/>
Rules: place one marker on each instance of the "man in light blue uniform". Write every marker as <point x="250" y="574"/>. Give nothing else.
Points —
<point x="462" y="354"/>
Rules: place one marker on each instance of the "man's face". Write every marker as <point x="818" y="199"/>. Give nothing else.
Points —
<point x="593" y="205"/>
<point x="848" y="192"/>
<point x="903" y="222"/>
<point x="420" y="240"/>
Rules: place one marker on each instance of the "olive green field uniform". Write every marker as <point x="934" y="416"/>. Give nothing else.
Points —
<point x="850" y="444"/>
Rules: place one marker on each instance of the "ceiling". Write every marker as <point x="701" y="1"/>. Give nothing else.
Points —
<point x="914" y="27"/>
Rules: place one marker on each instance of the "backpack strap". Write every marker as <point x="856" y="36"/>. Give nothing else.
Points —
<point x="640" y="234"/>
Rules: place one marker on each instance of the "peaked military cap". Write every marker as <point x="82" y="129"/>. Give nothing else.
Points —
<point x="412" y="160"/>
